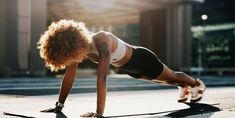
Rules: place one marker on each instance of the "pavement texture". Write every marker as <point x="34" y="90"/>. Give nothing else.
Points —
<point x="217" y="103"/>
<point x="127" y="98"/>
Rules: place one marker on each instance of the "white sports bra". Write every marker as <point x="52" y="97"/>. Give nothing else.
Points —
<point x="117" y="54"/>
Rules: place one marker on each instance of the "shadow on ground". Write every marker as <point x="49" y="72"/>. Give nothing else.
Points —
<point x="17" y="115"/>
<point x="58" y="115"/>
<point x="61" y="115"/>
<point x="194" y="109"/>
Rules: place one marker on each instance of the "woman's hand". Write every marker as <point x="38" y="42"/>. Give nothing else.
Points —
<point x="91" y="114"/>
<point x="54" y="110"/>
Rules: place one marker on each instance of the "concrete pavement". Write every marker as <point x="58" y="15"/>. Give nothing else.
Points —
<point x="127" y="97"/>
<point x="217" y="103"/>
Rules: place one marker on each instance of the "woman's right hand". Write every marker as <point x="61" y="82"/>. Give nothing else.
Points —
<point x="54" y="110"/>
<point x="91" y="115"/>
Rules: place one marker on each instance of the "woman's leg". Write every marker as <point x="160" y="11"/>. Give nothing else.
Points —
<point x="175" y="78"/>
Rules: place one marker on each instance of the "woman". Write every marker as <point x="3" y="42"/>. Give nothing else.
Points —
<point x="67" y="43"/>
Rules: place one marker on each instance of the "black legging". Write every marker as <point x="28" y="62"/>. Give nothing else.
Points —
<point x="143" y="62"/>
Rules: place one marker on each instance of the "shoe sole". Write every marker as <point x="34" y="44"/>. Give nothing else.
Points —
<point x="198" y="99"/>
<point x="183" y="100"/>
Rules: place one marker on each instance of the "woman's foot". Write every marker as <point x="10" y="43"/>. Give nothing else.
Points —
<point x="184" y="93"/>
<point x="197" y="92"/>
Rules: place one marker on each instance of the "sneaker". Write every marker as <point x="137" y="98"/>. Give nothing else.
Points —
<point x="184" y="93"/>
<point x="197" y="92"/>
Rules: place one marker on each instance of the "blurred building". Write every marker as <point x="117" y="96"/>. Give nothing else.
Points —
<point x="160" y="25"/>
<point x="213" y="28"/>
<point x="21" y="23"/>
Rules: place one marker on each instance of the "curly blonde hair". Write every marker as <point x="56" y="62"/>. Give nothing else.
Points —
<point x="65" y="42"/>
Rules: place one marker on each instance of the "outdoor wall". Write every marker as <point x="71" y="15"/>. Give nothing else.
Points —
<point x="179" y="36"/>
<point x="12" y="39"/>
<point x="153" y="32"/>
<point x="23" y="33"/>
<point x="8" y="36"/>
<point x="21" y="24"/>
<point x="166" y="31"/>
<point x="38" y="26"/>
<point x="3" y="22"/>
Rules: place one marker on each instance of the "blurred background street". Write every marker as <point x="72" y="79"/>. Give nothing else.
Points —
<point x="193" y="36"/>
<point x="50" y="86"/>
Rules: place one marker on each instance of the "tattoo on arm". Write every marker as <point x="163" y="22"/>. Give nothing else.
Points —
<point x="104" y="54"/>
<point x="104" y="77"/>
<point x="104" y="51"/>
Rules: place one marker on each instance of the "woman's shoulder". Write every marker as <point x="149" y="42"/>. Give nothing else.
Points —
<point x="101" y="34"/>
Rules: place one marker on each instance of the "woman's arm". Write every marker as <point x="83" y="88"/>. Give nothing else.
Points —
<point x="103" y="69"/>
<point x="103" y="44"/>
<point x="67" y="82"/>
<point x="104" y="49"/>
<point x="65" y="88"/>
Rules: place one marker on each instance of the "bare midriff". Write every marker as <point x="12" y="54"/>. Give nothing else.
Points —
<point x="125" y="58"/>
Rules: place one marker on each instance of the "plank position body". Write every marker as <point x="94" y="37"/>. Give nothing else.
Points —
<point x="67" y="43"/>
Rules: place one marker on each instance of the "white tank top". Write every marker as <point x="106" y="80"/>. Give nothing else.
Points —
<point x="117" y="54"/>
